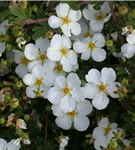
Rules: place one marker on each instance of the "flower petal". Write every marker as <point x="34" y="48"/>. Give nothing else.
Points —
<point x="101" y="142"/>
<point x="73" y="80"/>
<point x="56" y="41"/>
<point x="30" y="91"/>
<point x="64" y="122"/>
<point x="38" y="71"/>
<point x="49" y="79"/>
<point x="12" y="146"/>
<point x="3" y="144"/>
<point x="93" y="76"/>
<point x="99" y="40"/>
<point x="2" y="47"/>
<point x="21" y="70"/>
<point x="74" y="15"/>
<point x="104" y="122"/>
<point x="79" y="47"/>
<point x="67" y="66"/>
<point x="96" y="25"/>
<point x="81" y="123"/>
<point x="78" y="94"/>
<point x="86" y="55"/>
<point x="53" y="54"/>
<point x="54" y="22"/>
<point x="89" y="14"/>
<point x="100" y="101"/>
<point x="60" y="82"/>
<point x="99" y="55"/>
<point x="57" y="110"/>
<point x="75" y="28"/>
<point x="29" y="79"/>
<point x="98" y="132"/>
<point x="66" y="29"/>
<point x="66" y="42"/>
<point x="85" y="107"/>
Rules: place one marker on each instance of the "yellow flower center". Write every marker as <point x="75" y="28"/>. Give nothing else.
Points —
<point x="59" y="68"/>
<point x="66" y="90"/>
<point x="118" y="135"/>
<point x="24" y="60"/>
<point x="38" y="93"/>
<point x="100" y="17"/>
<point x="43" y="57"/>
<point x="39" y="81"/>
<point x="87" y="34"/>
<point x="107" y="130"/>
<point x="64" y="51"/>
<point x="102" y="87"/>
<point x="92" y="46"/>
<point x="66" y="20"/>
<point x="72" y="114"/>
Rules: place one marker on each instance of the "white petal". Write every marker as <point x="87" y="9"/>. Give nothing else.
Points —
<point x="2" y="47"/>
<point x="96" y="25"/>
<point x="66" y="29"/>
<point x="21" y="70"/>
<point x="81" y="123"/>
<point x="49" y="79"/>
<point x="53" y="54"/>
<point x="66" y="42"/>
<point x="42" y="44"/>
<point x="114" y="125"/>
<point x="75" y="28"/>
<point x="86" y="55"/>
<point x="78" y="94"/>
<point x="62" y="10"/>
<point x="64" y="122"/>
<point x="38" y="71"/>
<point x="54" y="22"/>
<point x="104" y="122"/>
<point x="60" y="82"/>
<point x="108" y="75"/>
<point x="67" y="66"/>
<point x="57" y="110"/>
<point x="128" y="50"/>
<point x="73" y="80"/>
<point x="67" y="104"/>
<point x="99" y="40"/>
<point x="12" y="146"/>
<point x="30" y="91"/>
<point x="3" y="144"/>
<point x="31" y="51"/>
<point x="111" y="90"/>
<point x="32" y="64"/>
<point x="79" y="47"/>
<point x="56" y="41"/>
<point x="17" y="56"/>
<point x="45" y="90"/>
<point x="72" y="56"/>
<point x="74" y="15"/>
<point x="49" y="65"/>
<point x="90" y="90"/>
<point x="99" y="55"/>
<point x="105" y="8"/>
<point x="85" y="107"/>
<point x="131" y="38"/>
<point x="98" y="132"/>
<point x="88" y="14"/>
<point x="100" y="101"/>
<point x="101" y="142"/>
<point x="54" y="95"/>
<point x="94" y="76"/>
<point x="126" y="142"/>
<point x="29" y="79"/>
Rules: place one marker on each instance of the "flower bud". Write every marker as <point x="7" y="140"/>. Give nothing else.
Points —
<point x="19" y="84"/>
<point x="123" y="10"/>
<point x="2" y="120"/>
<point x="14" y="103"/>
<point x="49" y="34"/>
<point x="35" y="8"/>
<point x="109" y="43"/>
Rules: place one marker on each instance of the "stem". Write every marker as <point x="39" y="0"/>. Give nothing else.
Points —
<point x="46" y="128"/>
<point x="112" y="12"/>
<point x="35" y="21"/>
<point x="82" y="3"/>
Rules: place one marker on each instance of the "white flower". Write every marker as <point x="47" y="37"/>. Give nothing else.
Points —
<point x="66" y="92"/>
<point x="97" y="17"/>
<point x="60" y="51"/>
<point x="63" y="142"/>
<point x="38" y="82"/>
<point x="128" y="49"/>
<point x="124" y="30"/>
<point x="66" y="20"/>
<point x="3" y="30"/>
<point x="77" y="117"/>
<point x="37" y="54"/>
<point x="102" y="134"/>
<point x="86" y="31"/>
<point x="91" y="46"/>
<point x="100" y="86"/>
<point x="20" y="59"/>
<point x="12" y="145"/>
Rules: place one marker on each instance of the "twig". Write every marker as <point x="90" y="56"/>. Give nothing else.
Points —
<point x="82" y="3"/>
<point x="112" y="12"/>
<point x="35" y="21"/>
<point x="46" y="128"/>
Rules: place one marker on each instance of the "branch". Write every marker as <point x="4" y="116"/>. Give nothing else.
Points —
<point x="35" y="21"/>
<point x="82" y="3"/>
<point x="112" y="12"/>
<point x="46" y="128"/>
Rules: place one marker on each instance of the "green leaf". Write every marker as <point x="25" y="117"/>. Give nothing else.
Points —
<point x="4" y="15"/>
<point x="39" y="31"/>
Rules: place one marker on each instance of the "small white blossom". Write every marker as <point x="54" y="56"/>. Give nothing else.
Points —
<point x="60" y="50"/>
<point x="77" y="117"/>
<point x="63" y="142"/>
<point x="124" y="30"/>
<point x="97" y="18"/>
<point x="91" y="47"/>
<point x="66" y="92"/>
<point x="100" y="86"/>
<point x="20" y="41"/>
<point x="66" y="19"/>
